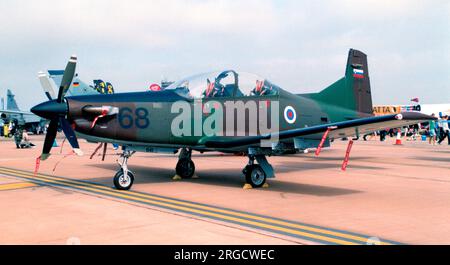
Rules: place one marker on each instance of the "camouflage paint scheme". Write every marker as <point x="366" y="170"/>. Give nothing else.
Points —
<point x="144" y="118"/>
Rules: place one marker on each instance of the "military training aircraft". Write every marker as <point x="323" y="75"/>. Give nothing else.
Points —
<point x="223" y="111"/>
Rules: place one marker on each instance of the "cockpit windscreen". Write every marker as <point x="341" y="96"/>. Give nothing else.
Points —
<point x="227" y="83"/>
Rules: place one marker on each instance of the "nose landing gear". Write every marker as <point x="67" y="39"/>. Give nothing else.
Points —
<point x="124" y="178"/>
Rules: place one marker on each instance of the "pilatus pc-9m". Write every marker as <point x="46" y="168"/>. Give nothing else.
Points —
<point x="224" y="111"/>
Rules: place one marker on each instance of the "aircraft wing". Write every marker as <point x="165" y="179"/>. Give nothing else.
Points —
<point x="338" y="129"/>
<point x="16" y="112"/>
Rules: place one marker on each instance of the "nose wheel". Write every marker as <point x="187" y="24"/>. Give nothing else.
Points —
<point x="122" y="181"/>
<point x="124" y="178"/>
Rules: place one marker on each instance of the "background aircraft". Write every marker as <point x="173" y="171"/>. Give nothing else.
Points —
<point x="142" y="121"/>
<point x="50" y="78"/>
<point x="30" y="121"/>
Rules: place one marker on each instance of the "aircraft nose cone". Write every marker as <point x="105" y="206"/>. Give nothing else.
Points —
<point x="50" y="109"/>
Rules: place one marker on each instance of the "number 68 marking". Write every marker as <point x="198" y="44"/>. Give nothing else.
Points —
<point x="140" y="119"/>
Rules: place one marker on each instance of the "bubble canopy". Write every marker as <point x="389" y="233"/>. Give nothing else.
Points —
<point x="228" y="83"/>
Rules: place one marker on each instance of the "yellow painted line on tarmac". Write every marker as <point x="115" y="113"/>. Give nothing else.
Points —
<point x="15" y="186"/>
<point x="186" y="209"/>
<point x="108" y="190"/>
<point x="208" y="208"/>
<point x="201" y="209"/>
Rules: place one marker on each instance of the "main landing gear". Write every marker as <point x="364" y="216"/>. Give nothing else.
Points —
<point x="185" y="167"/>
<point x="124" y="178"/>
<point x="257" y="174"/>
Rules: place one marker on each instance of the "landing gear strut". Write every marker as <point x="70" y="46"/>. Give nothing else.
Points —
<point x="256" y="174"/>
<point x="185" y="167"/>
<point x="124" y="178"/>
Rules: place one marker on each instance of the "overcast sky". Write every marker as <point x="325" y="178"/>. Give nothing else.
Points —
<point x="300" y="45"/>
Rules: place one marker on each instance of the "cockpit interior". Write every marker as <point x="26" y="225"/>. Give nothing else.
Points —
<point x="227" y="83"/>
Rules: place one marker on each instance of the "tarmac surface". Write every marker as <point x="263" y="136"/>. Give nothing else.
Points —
<point x="389" y="195"/>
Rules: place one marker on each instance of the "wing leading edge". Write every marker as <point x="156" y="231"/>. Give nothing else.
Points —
<point x="339" y="129"/>
<point x="19" y="112"/>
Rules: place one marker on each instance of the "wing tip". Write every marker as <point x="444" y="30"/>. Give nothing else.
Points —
<point x="414" y="115"/>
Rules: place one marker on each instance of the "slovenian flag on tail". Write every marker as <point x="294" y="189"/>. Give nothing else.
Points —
<point x="358" y="73"/>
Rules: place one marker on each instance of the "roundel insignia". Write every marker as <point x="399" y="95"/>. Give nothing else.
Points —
<point x="289" y="114"/>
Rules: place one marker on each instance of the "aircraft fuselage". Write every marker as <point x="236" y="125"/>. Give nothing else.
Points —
<point x="148" y="117"/>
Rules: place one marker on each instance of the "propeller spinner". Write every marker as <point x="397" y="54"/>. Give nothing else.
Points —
<point x="56" y="111"/>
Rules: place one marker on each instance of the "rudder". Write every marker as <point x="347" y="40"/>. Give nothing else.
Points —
<point x="357" y="74"/>
<point x="353" y="91"/>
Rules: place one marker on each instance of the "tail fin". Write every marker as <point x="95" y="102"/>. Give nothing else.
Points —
<point x="11" y="103"/>
<point x="51" y="80"/>
<point x="352" y="91"/>
<point x="79" y="88"/>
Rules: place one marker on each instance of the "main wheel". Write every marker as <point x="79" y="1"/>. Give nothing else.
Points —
<point x="255" y="176"/>
<point x="122" y="182"/>
<point x="185" y="168"/>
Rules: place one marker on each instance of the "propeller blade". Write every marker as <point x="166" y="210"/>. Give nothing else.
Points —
<point x="47" y="85"/>
<point x="66" y="81"/>
<point x="70" y="135"/>
<point x="49" y="138"/>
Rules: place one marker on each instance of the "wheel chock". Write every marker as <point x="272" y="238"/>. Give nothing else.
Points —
<point x="265" y="185"/>
<point x="247" y="186"/>
<point x="176" y="177"/>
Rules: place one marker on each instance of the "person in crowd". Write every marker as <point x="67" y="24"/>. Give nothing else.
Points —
<point x="25" y="142"/>
<point x="445" y="130"/>
<point x="17" y="131"/>
<point x="416" y="130"/>
<point x="383" y="134"/>
<point x="392" y="133"/>
<point x="432" y="131"/>
<point x="410" y="133"/>
<point x="439" y="130"/>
